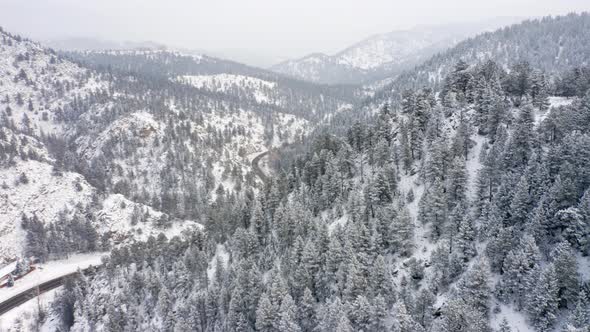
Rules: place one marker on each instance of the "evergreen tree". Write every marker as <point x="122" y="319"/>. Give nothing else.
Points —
<point x="466" y="238"/>
<point x="288" y="316"/>
<point x="264" y="314"/>
<point x="403" y="321"/>
<point x="474" y="287"/>
<point x="307" y="316"/>
<point x="457" y="316"/>
<point x="543" y="301"/>
<point x="566" y="269"/>
<point x="379" y="315"/>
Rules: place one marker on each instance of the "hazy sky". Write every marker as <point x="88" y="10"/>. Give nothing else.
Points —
<point x="276" y="28"/>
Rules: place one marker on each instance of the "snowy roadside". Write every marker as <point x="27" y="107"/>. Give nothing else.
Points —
<point x="19" y="318"/>
<point x="51" y="270"/>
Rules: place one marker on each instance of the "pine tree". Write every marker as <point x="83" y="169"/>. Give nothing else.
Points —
<point x="543" y="301"/>
<point x="457" y="182"/>
<point x="416" y="135"/>
<point x="462" y="141"/>
<point x="344" y="325"/>
<point x="457" y="316"/>
<point x="379" y="278"/>
<point x="519" y="149"/>
<point x="384" y="226"/>
<point x="466" y="238"/>
<point x="403" y="232"/>
<point x="519" y="265"/>
<point x="424" y="307"/>
<point x="403" y="321"/>
<point x="288" y="316"/>
<point x="330" y="315"/>
<point x="379" y="315"/>
<point x="474" y="287"/>
<point x="307" y="317"/>
<point x="259" y="223"/>
<point x="360" y="313"/>
<point x="408" y="101"/>
<point x="521" y="203"/>
<point x="406" y="151"/>
<point x="566" y="269"/>
<point x="436" y="202"/>
<point x="539" y="91"/>
<point x="355" y="280"/>
<point x="264" y="314"/>
<point x="485" y="107"/>
<point x="580" y="316"/>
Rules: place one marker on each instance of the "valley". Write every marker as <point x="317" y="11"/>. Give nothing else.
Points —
<point x="431" y="179"/>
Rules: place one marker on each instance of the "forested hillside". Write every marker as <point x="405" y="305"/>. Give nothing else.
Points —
<point x="552" y="44"/>
<point x="96" y="154"/>
<point x="464" y="206"/>
<point x="307" y="100"/>
<point x="454" y="199"/>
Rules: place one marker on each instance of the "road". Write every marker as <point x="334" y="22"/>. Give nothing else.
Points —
<point x="256" y="167"/>
<point x="32" y="292"/>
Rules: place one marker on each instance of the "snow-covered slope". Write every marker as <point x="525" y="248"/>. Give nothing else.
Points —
<point x="46" y="102"/>
<point x="382" y="55"/>
<point x="551" y="44"/>
<point x="37" y="84"/>
<point x="128" y="155"/>
<point x="42" y="194"/>
<point x="226" y="82"/>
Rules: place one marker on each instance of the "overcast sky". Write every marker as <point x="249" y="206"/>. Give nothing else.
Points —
<point x="276" y="28"/>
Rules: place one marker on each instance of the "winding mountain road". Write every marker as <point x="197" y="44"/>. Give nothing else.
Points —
<point x="34" y="291"/>
<point x="256" y="167"/>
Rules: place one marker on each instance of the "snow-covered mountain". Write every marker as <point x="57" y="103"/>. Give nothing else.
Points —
<point x="41" y="187"/>
<point x="383" y="55"/>
<point x="552" y="44"/>
<point x="288" y="95"/>
<point x="136" y="147"/>
<point x="455" y="199"/>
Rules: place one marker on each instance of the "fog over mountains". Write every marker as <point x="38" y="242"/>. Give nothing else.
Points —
<point x="384" y="55"/>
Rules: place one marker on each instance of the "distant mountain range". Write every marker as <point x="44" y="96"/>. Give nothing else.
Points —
<point x="384" y="55"/>
<point x="89" y="43"/>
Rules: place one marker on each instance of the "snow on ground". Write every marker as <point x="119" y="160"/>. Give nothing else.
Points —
<point x="31" y="72"/>
<point x="223" y="256"/>
<point x="560" y="101"/>
<point x="406" y="183"/>
<point x="225" y="82"/>
<point x="553" y="102"/>
<point x="44" y="195"/>
<point x="288" y="128"/>
<point x="473" y="165"/>
<point x="20" y="318"/>
<point x="242" y="149"/>
<point x="116" y="215"/>
<point x="8" y="268"/>
<point x="51" y="270"/>
<point x="517" y="320"/>
<point x="338" y="222"/>
<point x="139" y="124"/>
